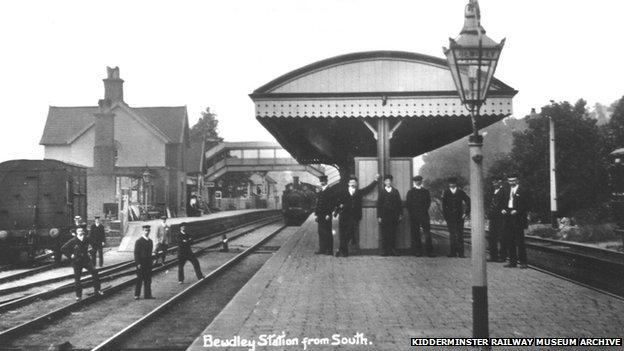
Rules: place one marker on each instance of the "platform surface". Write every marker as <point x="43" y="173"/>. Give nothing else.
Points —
<point x="391" y="299"/>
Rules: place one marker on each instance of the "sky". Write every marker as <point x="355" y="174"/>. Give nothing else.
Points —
<point x="214" y="53"/>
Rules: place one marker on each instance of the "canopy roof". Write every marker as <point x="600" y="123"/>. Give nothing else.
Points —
<point x="317" y="112"/>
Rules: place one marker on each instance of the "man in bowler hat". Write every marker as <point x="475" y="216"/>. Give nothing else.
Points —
<point x="417" y="202"/>
<point x="77" y="250"/>
<point x="515" y="216"/>
<point x="498" y="202"/>
<point x="185" y="253"/>
<point x="323" y="212"/>
<point x="143" y="247"/>
<point x="97" y="237"/>
<point x="349" y="209"/>
<point x="389" y="214"/>
<point x="453" y="201"/>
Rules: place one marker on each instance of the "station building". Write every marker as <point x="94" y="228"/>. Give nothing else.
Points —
<point x="135" y="155"/>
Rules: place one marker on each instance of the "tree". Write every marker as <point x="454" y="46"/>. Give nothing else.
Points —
<point x="613" y="131"/>
<point x="206" y="127"/>
<point x="452" y="159"/>
<point x="580" y="172"/>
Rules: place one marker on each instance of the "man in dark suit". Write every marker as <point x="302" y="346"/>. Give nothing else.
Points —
<point x="515" y="216"/>
<point x="97" y="237"/>
<point x="77" y="250"/>
<point x="143" y="247"/>
<point x="498" y="199"/>
<point x="323" y="212"/>
<point x="389" y="214"/>
<point x="185" y="253"/>
<point x="349" y="206"/>
<point x="417" y="202"/>
<point x="453" y="201"/>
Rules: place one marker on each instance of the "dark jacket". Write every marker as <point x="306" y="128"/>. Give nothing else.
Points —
<point x="97" y="235"/>
<point x="418" y="202"/>
<point x="520" y="204"/>
<point x="79" y="249"/>
<point x="389" y="205"/>
<point x="498" y="202"/>
<point x="184" y="244"/>
<point x="143" y="250"/>
<point x="452" y="207"/>
<point x="324" y="203"/>
<point x="352" y="205"/>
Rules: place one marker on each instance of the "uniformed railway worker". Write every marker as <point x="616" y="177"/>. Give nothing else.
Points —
<point x="349" y="208"/>
<point x="77" y="250"/>
<point x="515" y="216"/>
<point x="418" y="201"/>
<point x="389" y="214"/>
<point x="143" y="247"/>
<point x="162" y="239"/>
<point x="185" y="253"/>
<point x="97" y="237"/>
<point x="323" y="212"/>
<point x="498" y="198"/>
<point x="453" y="201"/>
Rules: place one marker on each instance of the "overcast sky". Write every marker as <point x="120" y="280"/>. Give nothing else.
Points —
<point x="214" y="53"/>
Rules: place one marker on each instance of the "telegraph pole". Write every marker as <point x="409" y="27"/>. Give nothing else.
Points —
<point x="553" y="175"/>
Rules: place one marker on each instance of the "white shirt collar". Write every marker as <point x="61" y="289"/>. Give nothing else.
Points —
<point x="388" y="188"/>
<point x="453" y="190"/>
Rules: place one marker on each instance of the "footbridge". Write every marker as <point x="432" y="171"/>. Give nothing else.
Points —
<point x="252" y="156"/>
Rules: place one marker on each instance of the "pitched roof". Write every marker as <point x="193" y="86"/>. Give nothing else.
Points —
<point x="193" y="158"/>
<point x="65" y="124"/>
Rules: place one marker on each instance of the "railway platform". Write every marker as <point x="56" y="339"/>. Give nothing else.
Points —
<point x="382" y="302"/>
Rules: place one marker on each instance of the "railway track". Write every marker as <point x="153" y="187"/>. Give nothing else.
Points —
<point x="117" y="341"/>
<point x="595" y="268"/>
<point x="39" y="321"/>
<point x="41" y="266"/>
<point x="104" y="272"/>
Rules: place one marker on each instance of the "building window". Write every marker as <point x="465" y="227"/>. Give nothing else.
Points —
<point x="235" y="154"/>
<point x="281" y="153"/>
<point x="250" y="153"/>
<point x="267" y="153"/>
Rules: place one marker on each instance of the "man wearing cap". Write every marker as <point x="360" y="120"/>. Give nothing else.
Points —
<point x="417" y="202"/>
<point x="97" y="236"/>
<point x="515" y="217"/>
<point x="498" y="202"/>
<point x="349" y="206"/>
<point x="389" y="214"/>
<point x="77" y="250"/>
<point x="162" y="239"/>
<point x="143" y="247"/>
<point x="453" y="201"/>
<point x="323" y="213"/>
<point x="186" y="254"/>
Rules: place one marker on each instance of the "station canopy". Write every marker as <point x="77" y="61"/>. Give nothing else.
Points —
<point x="326" y="112"/>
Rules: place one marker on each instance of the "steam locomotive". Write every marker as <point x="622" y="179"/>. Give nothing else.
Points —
<point x="298" y="202"/>
<point x="38" y="201"/>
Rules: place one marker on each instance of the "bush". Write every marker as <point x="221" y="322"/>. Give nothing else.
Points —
<point x="581" y="234"/>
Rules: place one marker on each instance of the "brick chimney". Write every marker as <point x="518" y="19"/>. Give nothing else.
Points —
<point x="113" y="85"/>
<point x="104" y="146"/>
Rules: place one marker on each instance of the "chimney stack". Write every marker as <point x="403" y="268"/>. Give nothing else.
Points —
<point x="104" y="148"/>
<point x="113" y="85"/>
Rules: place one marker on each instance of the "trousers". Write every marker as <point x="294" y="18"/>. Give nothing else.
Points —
<point x="456" y="236"/>
<point x="144" y="278"/>
<point x="416" y="224"/>
<point x="78" y="266"/>
<point x="326" y="241"/>
<point x="191" y="258"/>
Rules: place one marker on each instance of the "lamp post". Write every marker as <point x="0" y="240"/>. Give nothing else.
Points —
<point x="146" y="175"/>
<point x="472" y="58"/>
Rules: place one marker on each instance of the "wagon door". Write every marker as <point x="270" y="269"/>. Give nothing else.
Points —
<point x="30" y="202"/>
